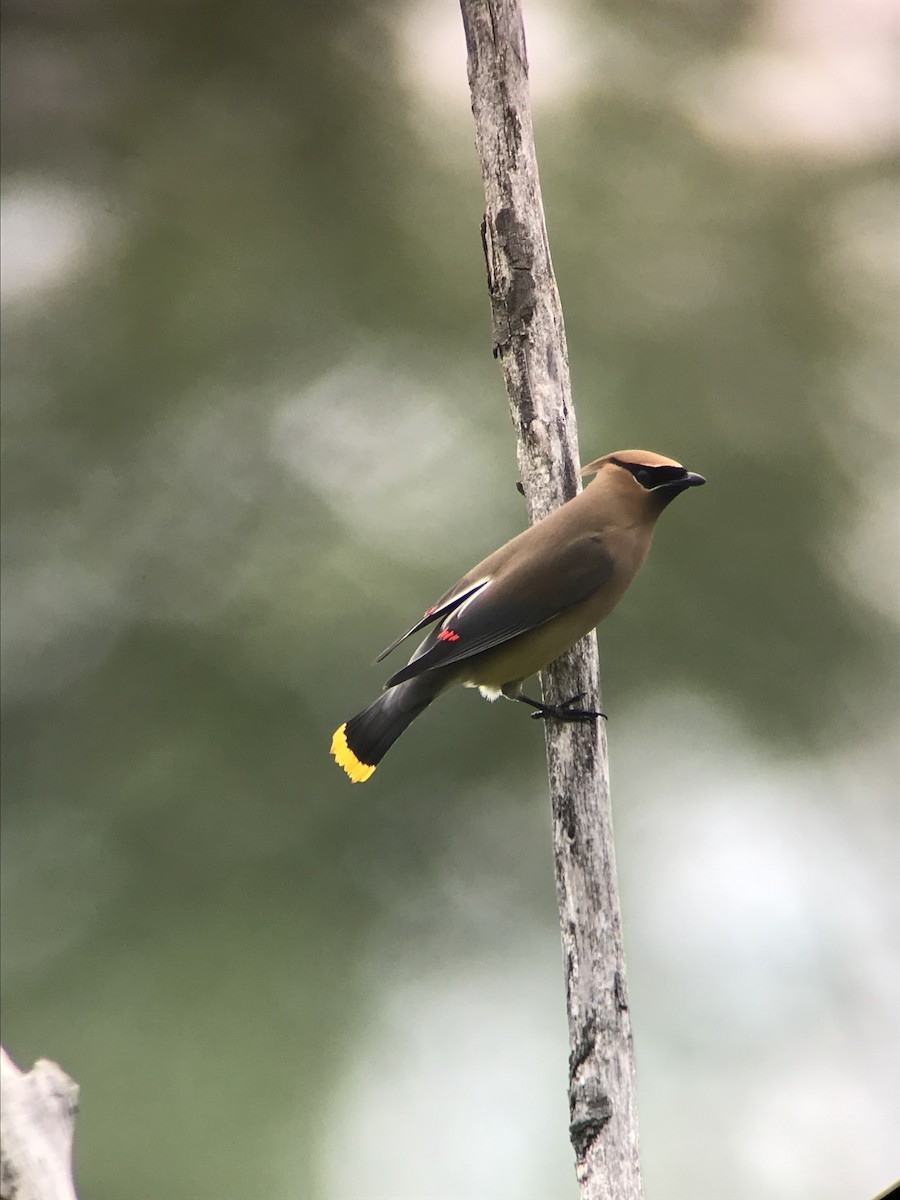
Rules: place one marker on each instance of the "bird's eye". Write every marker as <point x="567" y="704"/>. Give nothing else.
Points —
<point x="653" y="477"/>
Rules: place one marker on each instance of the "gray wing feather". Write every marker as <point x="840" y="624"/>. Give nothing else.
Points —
<point x="508" y="607"/>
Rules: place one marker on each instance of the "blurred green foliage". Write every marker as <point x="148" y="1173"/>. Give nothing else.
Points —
<point x="254" y="425"/>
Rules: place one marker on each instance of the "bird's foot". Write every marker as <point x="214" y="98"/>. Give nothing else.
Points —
<point x="562" y="711"/>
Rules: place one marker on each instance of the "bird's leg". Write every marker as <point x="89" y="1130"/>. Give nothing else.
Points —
<point x="562" y="711"/>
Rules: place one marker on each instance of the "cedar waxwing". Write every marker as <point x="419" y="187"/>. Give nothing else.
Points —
<point x="525" y="604"/>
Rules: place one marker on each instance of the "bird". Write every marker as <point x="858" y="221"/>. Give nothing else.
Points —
<point x="524" y="605"/>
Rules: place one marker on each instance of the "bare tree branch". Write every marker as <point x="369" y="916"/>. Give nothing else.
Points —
<point x="529" y="339"/>
<point x="37" y="1122"/>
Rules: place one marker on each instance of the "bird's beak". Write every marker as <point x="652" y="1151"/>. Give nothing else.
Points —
<point x="693" y="480"/>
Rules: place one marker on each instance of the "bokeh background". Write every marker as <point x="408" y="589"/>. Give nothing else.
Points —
<point x="251" y="425"/>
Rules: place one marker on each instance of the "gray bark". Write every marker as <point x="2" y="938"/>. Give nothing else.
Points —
<point x="529" y="340"/>
<point x="37" y="1121"/>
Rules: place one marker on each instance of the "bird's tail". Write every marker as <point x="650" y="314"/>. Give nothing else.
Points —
<point x="361" y="743"/>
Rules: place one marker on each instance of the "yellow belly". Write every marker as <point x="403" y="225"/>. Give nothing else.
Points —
<point x="531" y="652"/>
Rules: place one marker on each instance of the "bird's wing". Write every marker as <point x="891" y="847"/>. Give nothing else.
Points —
<point x="513" y="604"/>
<point x="448" y="602"/>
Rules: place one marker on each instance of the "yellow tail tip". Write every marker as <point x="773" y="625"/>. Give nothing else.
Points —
<point x="358" y="771"/>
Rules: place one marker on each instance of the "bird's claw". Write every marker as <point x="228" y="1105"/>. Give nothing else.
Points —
<point x="564" y="712"/>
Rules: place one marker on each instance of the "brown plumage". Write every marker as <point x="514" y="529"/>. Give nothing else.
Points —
<point x="526" y="603"/>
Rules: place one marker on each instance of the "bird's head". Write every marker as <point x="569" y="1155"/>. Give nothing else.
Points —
<point x="658" y="479"/>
